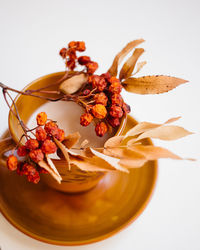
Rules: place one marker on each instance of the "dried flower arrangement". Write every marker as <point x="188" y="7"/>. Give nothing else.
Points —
<point x="99" y="95"/>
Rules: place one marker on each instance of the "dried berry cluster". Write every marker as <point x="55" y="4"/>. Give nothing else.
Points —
<point x="100" y="96"/>
<point x="35" y="150"/>
<point x="69" y="54"/>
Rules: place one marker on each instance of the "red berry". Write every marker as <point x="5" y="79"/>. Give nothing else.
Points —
<point x="41" y="118"/>
<point x="48" y="147"/>
<point x="114" y="122"/>
<point x="63" y="52"/>
<point x="116" y="99"/>
<point x="116" y="111"/>
<point x="92" y="67"/>
<point x="86" y="119"/>
<point x="101" y="98"/>
<point x="32" y="144"/>
<point x="83" y="60"/>
<point x="86" y="92"/>
<point x="36" y="155"/>
<point x="126" y="108"/>
<point x="41" y="134"/>
<point x="22" y="151"/>
<point x="101" y="128"/>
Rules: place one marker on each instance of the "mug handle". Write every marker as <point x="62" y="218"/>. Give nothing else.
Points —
<point x="5" y="145"/>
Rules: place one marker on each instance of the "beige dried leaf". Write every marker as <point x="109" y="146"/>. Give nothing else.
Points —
<point x="121" y="55"/>
<point x="129" y="65"/>
<point x="71" y="140"/>
<point x="51" y="164"/>
<point x="91" y="164"/>
<point x="64" y="151"/>
<point x="44" y="165"/>
<point x="165" y="133"/>
<point x="140" y="65"/>
<point x="84" y="143"/>
<point x="114" y="162"/>
<point x="153" y="153"/>
<point x="145" y="126"/>
<point x="112" y="144"/>
<point x="152" y="84"/>
<point x="73" y="84"/>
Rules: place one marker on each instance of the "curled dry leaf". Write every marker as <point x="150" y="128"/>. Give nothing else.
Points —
<point x="112" y="145"/>
<point x="163" y="133"/>
<point x="153" y="153"/>
<point x="44" y="165"/>
<point x="121" y="55"/>
<point x="64" y="151"/>
<point x="73" y="84"/>
<point x="129" y="65"/>
<point x="71" y="140"/>
<point x="145" y="126"/>
<point x="152" y="84"/>
<point x="114" y="162"/>
<point x="140" y="65"/>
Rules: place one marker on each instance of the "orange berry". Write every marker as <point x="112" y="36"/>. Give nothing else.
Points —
<point x="99" y="111"/>
<point x="48" y="147"/>
<point x="71" y="64"/>
<point x="115" y="87"/>
<point x="51" y="128"/>
<point x="12" y="162"/>
<point x="81" y="46"/>
<point x="32" y="144"/>
<point x="40" y="134"/>
<point x="36" y="155"/>
<point x="101" y="128"/>
<point x="114" y="122"/>
<point x="92" y="67"/>
<point x="60" y="135"/>
<point x="72" y="44"/>
<point x="86" y="119"/>
<point x="101" y="98"/>
<point x="116" y="99"/>
<point x="41" y="118"/>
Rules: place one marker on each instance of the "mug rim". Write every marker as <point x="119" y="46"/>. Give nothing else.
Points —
<point x="11" y="128"/>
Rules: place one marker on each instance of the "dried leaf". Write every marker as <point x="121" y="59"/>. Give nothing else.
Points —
<point x="44" y="165"/>
<point x="152" y="84"/>
<point x="73" y="84"/>
<point x="114" y="162"/>
<point x="165" y="133"/>
<point x="145" y="126"/>
<point x="84" y="143"/>
<point x="153" y="153"/>
<point x="129" y="65"/>
<point x="120" y="56"/>
<point x="51" y="164"/>
<point x="71" y="140"/>
<point x="64" y="151"/>
<point x="140" y="65"/>
<point x="92" y="164"/>
<point x="112" y="144"/>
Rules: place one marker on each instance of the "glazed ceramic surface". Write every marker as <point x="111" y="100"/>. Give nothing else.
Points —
<point x="73" y="219"/>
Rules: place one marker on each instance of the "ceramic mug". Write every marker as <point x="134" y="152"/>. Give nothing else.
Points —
<point x="74" y="180"/>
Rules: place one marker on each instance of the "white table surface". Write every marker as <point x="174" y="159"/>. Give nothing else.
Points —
<point x="32" y="32"/>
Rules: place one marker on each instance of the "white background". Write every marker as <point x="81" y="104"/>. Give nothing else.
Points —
<point x="31" y="34"/>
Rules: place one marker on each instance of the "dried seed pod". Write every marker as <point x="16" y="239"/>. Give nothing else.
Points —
<point x="32" y="144"/>
<point x="41" y="118"/>
<point x="12" y="162"/>
<point x="101" y="128"/>
<point x="101" y="98"/>
<point x="86" y="119"/>
<point x="73" y="84"/>
<point x="99" y="111"/>
<point x="116" y="111"/>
